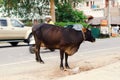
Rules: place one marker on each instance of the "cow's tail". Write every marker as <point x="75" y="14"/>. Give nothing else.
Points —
<point x="35" y="36"/>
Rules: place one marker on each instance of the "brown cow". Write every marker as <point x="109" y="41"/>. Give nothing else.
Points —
<point x="67" y="40"/>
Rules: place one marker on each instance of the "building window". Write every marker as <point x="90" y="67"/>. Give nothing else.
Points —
<point x="87" y="3"/>
<point x="113" y="3"/>
<point x="106" y="3"/>
<point x="91" y="4"/>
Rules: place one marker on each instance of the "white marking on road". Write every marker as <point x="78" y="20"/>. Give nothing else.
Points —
<point x="22" y="62"/>
<point x="101" y="50"/>
<point x="16" y="63"/>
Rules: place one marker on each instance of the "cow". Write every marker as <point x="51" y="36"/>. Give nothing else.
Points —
<point x="67" y="40"/>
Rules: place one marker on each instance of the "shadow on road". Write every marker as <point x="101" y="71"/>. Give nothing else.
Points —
<point x="9" y="46"/>
<point x="47" y="51"/>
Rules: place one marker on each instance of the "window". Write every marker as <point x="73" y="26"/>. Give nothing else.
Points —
<point x="15" y="23"/>
<point x="87" y="4"/>
<point x="3" y="22"/>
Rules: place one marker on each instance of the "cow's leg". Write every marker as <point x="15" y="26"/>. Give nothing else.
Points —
<point x="37" y="53"/>
<point x="61" y="58"/>
<point x="66" y="61"/>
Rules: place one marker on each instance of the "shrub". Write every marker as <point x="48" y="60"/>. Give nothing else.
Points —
<point x="62" y="24"/>
<point x="65" y="13"/>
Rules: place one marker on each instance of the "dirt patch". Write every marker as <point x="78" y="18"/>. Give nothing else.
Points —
<point x="48" y="71"/>
<point x="87" y="65"/>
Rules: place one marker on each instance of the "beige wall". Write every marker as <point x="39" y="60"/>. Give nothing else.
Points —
<point x="114" y="11"/>
<point x="103" y="3"/>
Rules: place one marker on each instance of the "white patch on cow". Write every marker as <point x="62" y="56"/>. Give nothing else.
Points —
<point x="78" y="27"/>
<point x="71" y="50"/>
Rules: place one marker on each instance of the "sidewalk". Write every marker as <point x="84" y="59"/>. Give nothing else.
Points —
<point x="109" y="72"/>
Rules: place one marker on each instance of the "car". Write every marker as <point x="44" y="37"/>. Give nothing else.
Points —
<point x="14" y="31"/>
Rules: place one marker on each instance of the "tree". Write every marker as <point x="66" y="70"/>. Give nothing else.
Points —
<point x="52" y="9"/>
<point x="8" y="6"/>
<point x="72" y="2"/>
<point x="24" y="8"/>
<point x="65" y="13"/>
<point x="28" y="8"/>
<point x="1" y="1"/>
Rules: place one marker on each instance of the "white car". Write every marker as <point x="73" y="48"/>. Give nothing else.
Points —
<point x="14" y="31"/>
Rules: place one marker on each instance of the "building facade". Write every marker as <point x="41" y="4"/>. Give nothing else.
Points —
<point x="100" y="11"/>
<point x="98" y="8"/>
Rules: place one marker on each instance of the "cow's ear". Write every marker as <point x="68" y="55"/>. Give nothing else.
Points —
<point x="84" y="29"/>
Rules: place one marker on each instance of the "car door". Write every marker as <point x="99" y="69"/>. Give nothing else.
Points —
<point x="4" y="30"/>
<point x="19" y="30"/>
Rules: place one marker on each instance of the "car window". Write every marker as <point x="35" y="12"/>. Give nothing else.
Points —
<point x="15" y="23"/>
<point x="3" y="23"/>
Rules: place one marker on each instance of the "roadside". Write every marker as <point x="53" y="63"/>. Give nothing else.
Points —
<point x="109" y="72"/>
<point x="105" y="65"/>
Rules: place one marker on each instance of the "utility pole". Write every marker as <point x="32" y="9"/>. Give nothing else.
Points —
<point x="109" y="18"/>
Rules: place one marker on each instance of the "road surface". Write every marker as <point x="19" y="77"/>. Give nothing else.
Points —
<point x="16" y="63"/>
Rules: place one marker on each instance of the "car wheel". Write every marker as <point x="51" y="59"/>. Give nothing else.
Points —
<point x="14" y="43"/>
<point x="29" y="38"/>
<point x="32" y="49"/>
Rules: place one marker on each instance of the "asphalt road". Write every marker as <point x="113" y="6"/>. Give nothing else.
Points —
<point x="16" y="63"/>
<point x="11" y="55"/>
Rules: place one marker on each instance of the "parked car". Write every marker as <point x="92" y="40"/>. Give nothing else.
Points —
<point x="14" y="31"/>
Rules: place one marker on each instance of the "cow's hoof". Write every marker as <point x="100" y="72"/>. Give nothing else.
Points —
<point x="61" y="68"/>
<point x="37" y="59"/>
<point x="42" y="62"/>
<point x="67" y="67"/>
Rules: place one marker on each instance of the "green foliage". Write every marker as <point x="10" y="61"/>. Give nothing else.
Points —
<point x="28" y="23"/>
<point x="20" y="8"/>
<point x="62" y="12"/>
<point x="26" y="8"/>
<point x="62" y="24"/>
<point x="72" y="2"/>
<point x="10" y="5"/>
<point x="78" y="16"/>
<point x="65" y="13"/>
<point x="1" y="1"/>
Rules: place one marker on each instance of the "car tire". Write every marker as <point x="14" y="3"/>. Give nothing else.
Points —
<point x="32" y="49"/>
<point x="29" y="39"/>
<point x="14" y="43"/>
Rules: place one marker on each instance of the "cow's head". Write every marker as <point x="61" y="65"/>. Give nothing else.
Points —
<point x="88" y="35"/>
